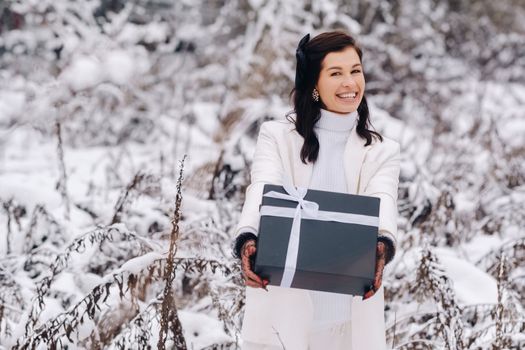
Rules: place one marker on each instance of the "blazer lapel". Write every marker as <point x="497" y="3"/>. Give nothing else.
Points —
<point x="302" y="173"/>
<point x="353" y="157"/>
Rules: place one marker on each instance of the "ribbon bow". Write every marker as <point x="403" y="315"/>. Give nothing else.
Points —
<point x="302" y="63"/>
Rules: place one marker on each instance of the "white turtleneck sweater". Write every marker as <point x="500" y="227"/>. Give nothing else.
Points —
<point x="328" y="174"/>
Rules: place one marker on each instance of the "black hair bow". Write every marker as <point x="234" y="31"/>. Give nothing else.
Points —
<point x="302" y="64"/>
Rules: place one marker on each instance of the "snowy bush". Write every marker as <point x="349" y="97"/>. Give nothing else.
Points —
<point x="108" y="240"/>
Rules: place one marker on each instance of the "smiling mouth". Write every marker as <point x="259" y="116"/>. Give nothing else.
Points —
<point x="348" y="96"/>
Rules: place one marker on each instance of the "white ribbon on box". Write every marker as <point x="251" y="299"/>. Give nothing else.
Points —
<point x="305" y="210"/>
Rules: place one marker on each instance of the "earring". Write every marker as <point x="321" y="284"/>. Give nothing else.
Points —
<point x="315" y="95"/>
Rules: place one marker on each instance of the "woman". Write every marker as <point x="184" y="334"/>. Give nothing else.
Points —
<point x="327" y="146"/>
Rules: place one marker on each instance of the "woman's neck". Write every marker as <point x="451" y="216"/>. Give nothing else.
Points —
<point x="335" y="121"/>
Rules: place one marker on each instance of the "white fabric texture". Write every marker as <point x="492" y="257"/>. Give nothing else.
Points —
<point x="285" y="315"/>
<point x="336" y="338"/>
<point x="328" y="174"/>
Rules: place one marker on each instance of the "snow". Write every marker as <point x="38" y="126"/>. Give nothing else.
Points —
<point x="201" y="330"/>
<point x="137" y="264"/>
<point x="481" y="245"/>
<point x="119" y="66"/>
<point x="471" y="285"/>
<point x="29" y="191"/>
<point x="464" y="202"/>
<point x="391" y="127"/>
<point x="206" y="115"/>
<point x="255" y="4"/>
<point x="84" y="72"/>
<point x="52" y="309"/>
<point x="512" y="132"/>
<point x="156" y="32"/>
<point x="86" y="281"/>
<point x="11" y="105"/>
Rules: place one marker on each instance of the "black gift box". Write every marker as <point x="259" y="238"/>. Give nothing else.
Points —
<point x="333" y="256"/>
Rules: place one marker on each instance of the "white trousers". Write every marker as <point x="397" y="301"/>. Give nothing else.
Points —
<point x="337" y="337"/>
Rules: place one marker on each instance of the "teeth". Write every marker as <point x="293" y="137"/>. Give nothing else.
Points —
<point x="348" y="95"/>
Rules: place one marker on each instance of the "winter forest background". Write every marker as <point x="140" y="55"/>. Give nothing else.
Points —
<point x="101" y="99"/>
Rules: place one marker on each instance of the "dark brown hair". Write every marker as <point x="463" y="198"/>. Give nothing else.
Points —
<point x="310" y="55"/>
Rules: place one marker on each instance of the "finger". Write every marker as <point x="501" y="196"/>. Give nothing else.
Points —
<point x="245" y="261"/>
<point x="252" y="284"/>
<point x="380" y="265"/>
<point x="378" y="278"/>
<point x="368" y="294"/>
<point x="380" y="249"/>
<point x="248" y="274"/>
<point x="254" y="277"/>
<point x="246" y="265"/>
<point x="249" y="250"/>
<point x="377" y="283"/>
<point x="369" y="291"/>
<point x="261" y="283"/>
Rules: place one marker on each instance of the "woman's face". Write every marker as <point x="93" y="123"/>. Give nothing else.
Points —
<point x="341" y="83"/>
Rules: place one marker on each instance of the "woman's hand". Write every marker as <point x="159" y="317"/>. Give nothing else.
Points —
<point x="250" y="278"/>
<point x="380" y="265"/>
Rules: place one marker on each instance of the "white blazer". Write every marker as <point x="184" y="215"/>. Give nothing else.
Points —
<point x="285" y="314"/>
